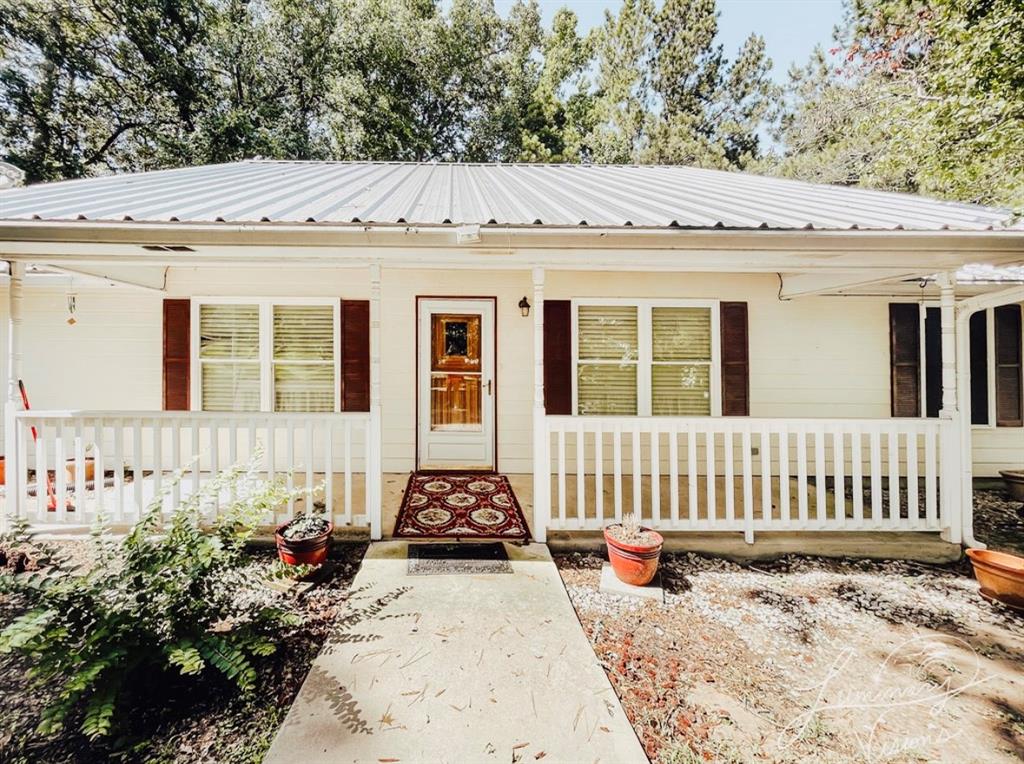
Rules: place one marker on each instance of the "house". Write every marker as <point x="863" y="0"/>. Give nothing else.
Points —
<point x="716" y="351"/>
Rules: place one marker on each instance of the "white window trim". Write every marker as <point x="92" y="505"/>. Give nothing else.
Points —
<point x="266" y="351"/>
<point x="645" y="353"/>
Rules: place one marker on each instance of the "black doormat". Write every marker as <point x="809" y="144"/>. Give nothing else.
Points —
<point x="457" y="559"/>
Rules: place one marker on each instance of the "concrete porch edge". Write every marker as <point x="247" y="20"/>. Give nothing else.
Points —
<point x="874" y="545"/>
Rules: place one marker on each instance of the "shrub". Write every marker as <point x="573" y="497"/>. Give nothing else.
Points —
<point x="170" y="596"/>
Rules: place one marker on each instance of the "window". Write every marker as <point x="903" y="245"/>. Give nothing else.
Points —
<point x="997" y="382"/>
<point x="267" y="356"/>
<point x="915" y="346"/>
<point x="995" y="338"/>
<point x="646" y="357"/>
<point x="229" y="356"/>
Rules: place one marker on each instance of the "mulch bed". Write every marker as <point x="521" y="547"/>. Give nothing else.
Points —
<point x="717" y="672"/>
<point x="184" y="722"/>
<point x="999" y="521"/>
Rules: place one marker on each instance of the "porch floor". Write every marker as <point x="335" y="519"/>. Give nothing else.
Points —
<point x="895" y="544"/>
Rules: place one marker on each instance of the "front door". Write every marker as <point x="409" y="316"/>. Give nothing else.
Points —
<point x="455" y="384"/>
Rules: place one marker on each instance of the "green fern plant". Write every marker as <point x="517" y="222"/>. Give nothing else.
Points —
<point x="175" y="594"/>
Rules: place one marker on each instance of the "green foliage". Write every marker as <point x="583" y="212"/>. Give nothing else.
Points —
<point x="92" y="86"/>
<point x="171" y="596"/>
<point x="928" y="97"/>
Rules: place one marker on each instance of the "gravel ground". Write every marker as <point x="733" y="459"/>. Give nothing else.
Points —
<point x="999" y="521"/>
<point x="812" y="660"/>
<point x="186" y="723"/>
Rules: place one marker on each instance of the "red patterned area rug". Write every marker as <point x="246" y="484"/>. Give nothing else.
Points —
<point x="460" y="506"/>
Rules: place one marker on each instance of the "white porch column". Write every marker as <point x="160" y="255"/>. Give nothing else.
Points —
<point x="374" y="445"/>
<point x="541" y="441"/>
<point x="953" y="427"/>
<point x="13" y="497"/>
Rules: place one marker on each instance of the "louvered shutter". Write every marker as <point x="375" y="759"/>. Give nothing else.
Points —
<point x="303" y="357"/>
<point x="905" y="359"/>
<point x="176" y="354"/>
<point x="932" y="362"/>
<point x="558" y="356"/>
<point x="680" y="361"/>
<point x="979" y="368"/>
<point x="607" y="347"/>
<point x="355" y="355"/>
<point x="735" y="359"/>
<point x="229" y="351"/>
<point x="1008" y="367"/>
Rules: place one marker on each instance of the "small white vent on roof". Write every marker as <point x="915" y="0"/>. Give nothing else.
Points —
<point x="467" y="234"/>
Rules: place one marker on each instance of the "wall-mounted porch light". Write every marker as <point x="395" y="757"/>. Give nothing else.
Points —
<point x="524" y="307"/>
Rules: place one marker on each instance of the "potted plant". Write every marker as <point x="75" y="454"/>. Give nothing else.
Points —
<point x="88" y="467"/>
<point x="1014" y="483"/>
<point x="304" y="539"/>
<point x="633" y="551"/>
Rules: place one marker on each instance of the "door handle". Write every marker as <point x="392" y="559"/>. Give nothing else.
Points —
<point x="488" y="387"/>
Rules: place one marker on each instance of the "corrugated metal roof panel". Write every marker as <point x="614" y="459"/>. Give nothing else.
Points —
<point x="506" y="194"/>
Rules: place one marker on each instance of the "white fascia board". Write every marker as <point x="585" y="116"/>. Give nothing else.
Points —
<point x="508" y="247"/>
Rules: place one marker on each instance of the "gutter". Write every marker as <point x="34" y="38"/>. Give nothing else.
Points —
<point x="500" y="237"/>
<point x="966" y="309"/>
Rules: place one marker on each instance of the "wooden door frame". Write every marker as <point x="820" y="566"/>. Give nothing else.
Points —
<point x="416" y="378"/>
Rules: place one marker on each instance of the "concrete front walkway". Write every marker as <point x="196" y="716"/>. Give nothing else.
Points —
<point x="457" y="668"/>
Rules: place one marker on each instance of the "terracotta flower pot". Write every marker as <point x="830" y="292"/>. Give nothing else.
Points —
<point x="89" y="465"/>
<point x="1000" y="575"/>
<point x="1014" y="483"/>
<point x="634" y="564"/>
<point x="311" y="551"/>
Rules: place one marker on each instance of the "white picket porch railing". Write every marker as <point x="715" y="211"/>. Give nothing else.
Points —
<point x="743" y="474"/>
<point x="117" y="462"/>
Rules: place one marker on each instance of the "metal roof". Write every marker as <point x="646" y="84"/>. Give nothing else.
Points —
<point x="604" y="196"/>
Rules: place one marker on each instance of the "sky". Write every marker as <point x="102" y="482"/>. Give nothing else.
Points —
<point x="791" y="28"/>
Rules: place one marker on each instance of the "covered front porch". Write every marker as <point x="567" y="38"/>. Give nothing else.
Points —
<point x="737" y="477"/>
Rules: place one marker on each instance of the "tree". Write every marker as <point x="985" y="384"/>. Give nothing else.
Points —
<point x="620" y="110"/>
<point x="93" y="86"/>
<point x="928" y="97"/>
<point x="98" y="85"/>
<point x="711" y="110"/>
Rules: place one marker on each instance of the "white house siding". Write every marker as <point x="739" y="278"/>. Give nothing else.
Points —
<point x="811" y="357"/>
<point x="997" y="448"/>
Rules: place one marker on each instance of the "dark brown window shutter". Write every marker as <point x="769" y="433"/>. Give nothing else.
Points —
<point x="932" y="362"/>
<point x="355" y="355"/>
<point x="177" y="354"/>
<point x="905" y="359"/>
<point x="1009" y="379"/>
<point x="735" y="359"/>
<point x="979" y="368"/>
<point x="558" y="356"/>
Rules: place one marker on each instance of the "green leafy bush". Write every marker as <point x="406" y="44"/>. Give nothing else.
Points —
<point x="171" y="596"/>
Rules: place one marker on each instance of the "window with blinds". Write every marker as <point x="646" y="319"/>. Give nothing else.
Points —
<point x="648" y="358"/>
<point x="681" y="361"/>
<point x="267" y="357"/>
<point x="229" y="357"/>
<point x="608" y="353"/>
<point x="303" y="358"/>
